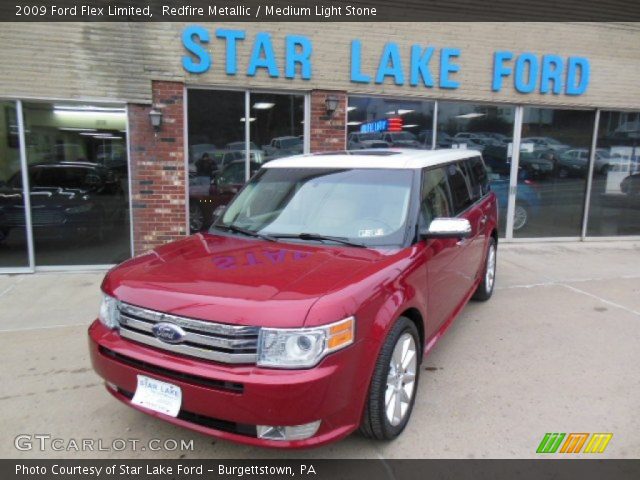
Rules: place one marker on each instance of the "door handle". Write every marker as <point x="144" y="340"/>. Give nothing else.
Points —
<point x="462" y="242"/>
<point x="483" y="220"/>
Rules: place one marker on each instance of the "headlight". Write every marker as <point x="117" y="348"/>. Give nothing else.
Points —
<point x="108" y="314"/>
<point x="303" y="347"/>
<point x="80" y="209"/>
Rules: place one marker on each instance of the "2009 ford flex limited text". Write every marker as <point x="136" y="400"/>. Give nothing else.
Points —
<point x="304" y="313"/>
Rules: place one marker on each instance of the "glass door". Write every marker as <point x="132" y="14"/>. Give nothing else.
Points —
<point x="14" y="250"/>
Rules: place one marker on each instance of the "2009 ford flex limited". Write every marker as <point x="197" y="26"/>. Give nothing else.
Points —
<point x="304" y="313"/>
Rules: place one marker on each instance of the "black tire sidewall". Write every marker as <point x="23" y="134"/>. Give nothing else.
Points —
<point x="388" y="431"/>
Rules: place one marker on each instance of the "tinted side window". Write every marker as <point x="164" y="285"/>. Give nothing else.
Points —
<point x="459" y="186"/>
<point x="436" y="201"/>
<point x="478" y="177"/>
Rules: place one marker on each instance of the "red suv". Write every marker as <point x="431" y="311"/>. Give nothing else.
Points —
<point x="305" y="311"/>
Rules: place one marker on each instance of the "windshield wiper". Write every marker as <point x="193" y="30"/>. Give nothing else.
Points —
<point x="244" y="231"/>
<point x="317" y="236"/>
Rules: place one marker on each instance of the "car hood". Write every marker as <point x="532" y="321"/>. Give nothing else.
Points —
<point x="234" y="280"/>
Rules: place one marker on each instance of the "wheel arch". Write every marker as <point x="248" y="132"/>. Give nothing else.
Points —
<point x="415" y="316"/>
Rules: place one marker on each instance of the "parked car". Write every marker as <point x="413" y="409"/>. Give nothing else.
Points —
<point x="545" y="143"/>
<point x="575" y="162"/>
<point x="443" y="139"/>
<point x="401" y="139"/>
<point x="240" y="146"/>
<point x="631" y="184"/>
<point x="476" y="141"/>
<point x="205" y="199"/>
<point x="283" y="147"/>
<point x="500" y="138"/>
<point x="535" y="164"/>
<point x="363" y="141"/>
<point x="76" y="200"/>
<point x="305" y="312"/>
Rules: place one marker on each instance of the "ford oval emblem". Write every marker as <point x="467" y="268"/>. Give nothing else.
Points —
<point x="168" y="332"/>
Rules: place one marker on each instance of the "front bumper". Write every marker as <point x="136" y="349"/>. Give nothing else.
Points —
<point x="230" y="401"/>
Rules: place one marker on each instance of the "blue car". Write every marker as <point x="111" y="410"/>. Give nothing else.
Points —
<point x="527" y="199"/>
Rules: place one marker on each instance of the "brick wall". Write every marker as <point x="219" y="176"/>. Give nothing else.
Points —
<point x="328" y="132"/>
<point x="157" y="169"/>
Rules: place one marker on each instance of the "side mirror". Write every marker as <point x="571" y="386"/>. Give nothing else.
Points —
<point x="447" y="228"/>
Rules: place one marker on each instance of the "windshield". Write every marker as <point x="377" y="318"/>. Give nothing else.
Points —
<point x="63" y="177"/>
<point x="290" y="142"/>
<point x="369" y="136"/>
<point x="367" y="206"/>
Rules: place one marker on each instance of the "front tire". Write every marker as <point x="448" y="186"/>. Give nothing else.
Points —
<point x="395" y="380"/>
<point x="485" y="289"/>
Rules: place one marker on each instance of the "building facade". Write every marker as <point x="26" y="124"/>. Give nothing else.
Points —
<point x="118" y="137"/>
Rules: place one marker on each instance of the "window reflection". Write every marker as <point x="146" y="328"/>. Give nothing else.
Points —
<point x="554" y="154"/>
<point x="487" y="129"/>
<point x="382" y="123"/>
<point x="13" y="237"/>
<point x="615" y="192"/>
<point x="217" y="145"/>
<point x="78" y="183"/>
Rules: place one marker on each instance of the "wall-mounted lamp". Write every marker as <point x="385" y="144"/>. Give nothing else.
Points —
<point x="155" y="117"/>
<point x="331" y="104"/>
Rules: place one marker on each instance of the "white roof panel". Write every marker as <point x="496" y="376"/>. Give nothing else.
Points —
<point x="382" y="158"/>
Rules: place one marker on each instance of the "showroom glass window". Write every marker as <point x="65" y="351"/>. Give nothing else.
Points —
<point x="614" y="207"/>
<point x="13" y="231"/>
<point x="376" y="122"/>
<point x="218" y="149"/>
<point x="488" y="129"/>
<point x="554" y="162"/>
<point x="78" y="183"/>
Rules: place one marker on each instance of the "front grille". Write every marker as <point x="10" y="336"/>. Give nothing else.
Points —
<point x="209" y="422"/>
<point x="146" y="367"/>
<point x="212" y="341"/>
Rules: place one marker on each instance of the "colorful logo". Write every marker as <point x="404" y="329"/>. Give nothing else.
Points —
<point x="573" y="442"/>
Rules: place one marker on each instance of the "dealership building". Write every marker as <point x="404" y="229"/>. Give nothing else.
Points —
<point x="118" y="137"/>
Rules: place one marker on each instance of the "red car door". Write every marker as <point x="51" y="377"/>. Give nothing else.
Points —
<point x="466" y="261"/>
<point x="443" y="284"/>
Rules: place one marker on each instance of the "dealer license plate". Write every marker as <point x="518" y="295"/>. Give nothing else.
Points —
<point x="159" y="396"/>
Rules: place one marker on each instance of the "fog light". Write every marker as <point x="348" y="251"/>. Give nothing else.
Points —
<point x="295" y="432"/>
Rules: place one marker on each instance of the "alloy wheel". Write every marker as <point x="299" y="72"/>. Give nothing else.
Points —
<point x="520" y="217"/>
<point x="491" y="268"/>
<point x="401" y="379"/>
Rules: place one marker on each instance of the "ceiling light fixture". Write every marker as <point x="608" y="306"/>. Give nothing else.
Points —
<point x="263" y="105"/>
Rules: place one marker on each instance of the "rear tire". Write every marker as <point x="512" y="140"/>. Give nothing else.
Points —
<point x="485" y="289"/>
<point x="394" y="383"/>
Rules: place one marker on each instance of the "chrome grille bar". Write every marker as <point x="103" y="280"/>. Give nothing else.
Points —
<point x="212" y="341"/>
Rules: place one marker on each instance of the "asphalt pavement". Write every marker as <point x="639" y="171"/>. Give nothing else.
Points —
<point x="555" y="350"/>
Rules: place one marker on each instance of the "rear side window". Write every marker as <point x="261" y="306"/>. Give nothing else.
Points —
<point x="478" y="178"/>
<point x="436" y="201"/>
<point x="459" y="187"/>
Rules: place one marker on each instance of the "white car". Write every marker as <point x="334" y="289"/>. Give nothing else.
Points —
<point x="545" y="143"/>
<point x="363" y="141"/>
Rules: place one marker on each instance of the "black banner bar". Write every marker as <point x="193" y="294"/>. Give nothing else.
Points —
<point x="576" y="469"/>
<point x="319" y="11"/>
